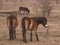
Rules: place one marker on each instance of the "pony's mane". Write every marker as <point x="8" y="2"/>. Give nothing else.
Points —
<point x="39" y="19"/>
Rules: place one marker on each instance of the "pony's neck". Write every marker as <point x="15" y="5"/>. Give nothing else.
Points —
<point x="39" y="21"/>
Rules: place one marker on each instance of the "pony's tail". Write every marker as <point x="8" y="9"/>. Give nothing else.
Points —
<point x="23" y="30"/>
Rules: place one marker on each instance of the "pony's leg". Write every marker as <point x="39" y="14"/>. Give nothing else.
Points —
<point x="23" y="11"/>
<point x="19" y="12"/>
<point x="31" y="36"/>
<point x="9" y="34"/>
<point x="27" y="12"/>
<point x="24" y="35"/>
<point x="14" y="33"/>
<point x="24" y="30"/>
<point x="36" y="36"/>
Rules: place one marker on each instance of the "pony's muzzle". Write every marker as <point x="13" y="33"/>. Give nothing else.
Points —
<point x="47" y="27"/>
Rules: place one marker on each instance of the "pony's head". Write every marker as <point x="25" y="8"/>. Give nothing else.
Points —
<point x="43" y="21"/>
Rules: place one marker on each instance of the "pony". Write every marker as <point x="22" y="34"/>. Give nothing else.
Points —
<point x="24" y="9"/>
<point x="31" y="24"/>
<point x="12" y="23"/>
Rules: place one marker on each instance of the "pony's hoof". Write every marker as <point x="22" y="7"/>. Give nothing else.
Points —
<point x="25" y="41"/>
<point x="14" y="37"/>
<point x="10" y="39"/>
<point x="30" y="40"/>
<point x="37" y="40"/>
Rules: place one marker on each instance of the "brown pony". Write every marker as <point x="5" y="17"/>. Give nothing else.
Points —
<point x="12" y="24"/>
<point x="24" y="9"/>
<point x="32" y="24"/>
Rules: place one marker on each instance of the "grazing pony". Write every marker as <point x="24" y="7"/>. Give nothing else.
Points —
<point x="12" y="24"/>
<point x="24" y="9"/>
<point x="32" y="24"/>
